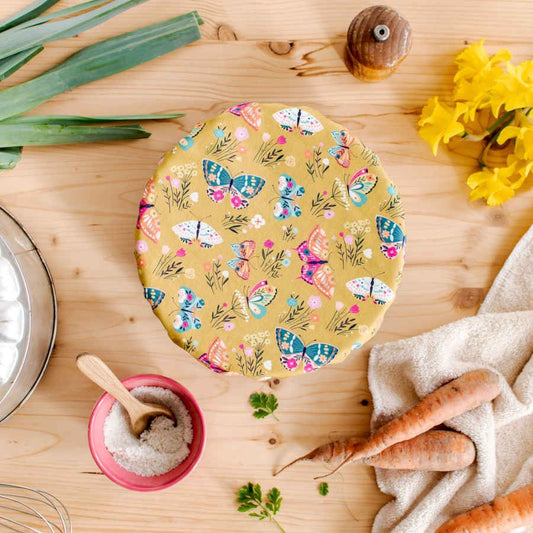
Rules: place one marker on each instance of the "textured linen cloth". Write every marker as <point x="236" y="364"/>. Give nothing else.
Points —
<point x="499" y="337"/>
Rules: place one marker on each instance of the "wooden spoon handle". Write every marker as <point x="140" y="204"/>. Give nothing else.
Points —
<point x="98" y="372"/>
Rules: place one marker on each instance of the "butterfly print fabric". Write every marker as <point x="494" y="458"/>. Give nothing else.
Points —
<point x="269" y="241"/>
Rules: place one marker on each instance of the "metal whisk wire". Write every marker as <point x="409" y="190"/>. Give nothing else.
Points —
<point x="18" y="503"/>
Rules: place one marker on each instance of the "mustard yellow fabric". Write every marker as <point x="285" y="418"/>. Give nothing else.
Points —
<point x="270" y="242"/>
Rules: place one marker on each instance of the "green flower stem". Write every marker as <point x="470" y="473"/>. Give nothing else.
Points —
<point x="496" y="125"/>
<point x="500" y="122"/>
<point x="494" y="132"/>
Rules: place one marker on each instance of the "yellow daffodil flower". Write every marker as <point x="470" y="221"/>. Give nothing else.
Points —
<point x="475" y="93"/>
<point x="494" y="185"/>
<point x="523" y="135"/>
<point x="492" y="100"/>
<point x="523" y="169"/>
<point x="474" y="60"/>
<point x="514" y="90"/>
<point x="439" y="123"/>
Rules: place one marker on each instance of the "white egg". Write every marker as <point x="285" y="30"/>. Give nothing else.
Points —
<point x="8" y="359"/>
<point x="11" y="321"/>
<point x="9" y="285"/>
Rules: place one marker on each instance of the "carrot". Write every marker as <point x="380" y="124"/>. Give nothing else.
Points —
<point x="500" y="515"/>
<point x="456" y="397"/>
<point x="436" y="451"/>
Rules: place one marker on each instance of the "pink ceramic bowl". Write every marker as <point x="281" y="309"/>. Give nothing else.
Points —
<point x="128" y="479"/>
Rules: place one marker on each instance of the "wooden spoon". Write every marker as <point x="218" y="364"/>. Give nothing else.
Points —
<point x="140" y="413"/>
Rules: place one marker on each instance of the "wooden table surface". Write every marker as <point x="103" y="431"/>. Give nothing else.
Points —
<point x="80" y="204"/>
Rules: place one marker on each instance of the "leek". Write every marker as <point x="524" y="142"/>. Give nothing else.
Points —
<point x="21" y="38"/>
<point x="9" y="157"/>
<point x="101" y="60"/>
<point x="72" y="120"/>
<point x="33" y="10"/>
<point x="16" y="135"/>
<point x="61" y="13"/>
<point x="13" y="63"/>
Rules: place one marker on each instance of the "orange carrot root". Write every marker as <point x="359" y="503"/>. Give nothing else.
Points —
<point x="437" y="451"/>
<point x="333" y="451"/>
<point x="434" y="451"/>
<point x="452" y="399"/>
<point x="502" y="514"/>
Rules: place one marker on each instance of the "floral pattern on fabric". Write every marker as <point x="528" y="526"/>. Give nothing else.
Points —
<point x="270" y="241"/>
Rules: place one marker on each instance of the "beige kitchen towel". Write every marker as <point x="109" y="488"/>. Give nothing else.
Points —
<point x="499" y="337"/>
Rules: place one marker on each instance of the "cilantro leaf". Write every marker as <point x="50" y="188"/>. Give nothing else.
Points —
<point x="323" y="489"/>
<point x="264" y="404"/>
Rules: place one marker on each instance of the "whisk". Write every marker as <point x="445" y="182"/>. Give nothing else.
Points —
<point x="27" y="510"/>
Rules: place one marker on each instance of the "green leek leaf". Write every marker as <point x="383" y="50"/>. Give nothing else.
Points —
<point x="101" y="60"/>
<point x="73" y="120"/>
<point x="9" y="157"/>
<point x="11" y="64"/>
<point x="12" y="135"/>
<point x="20" y="38"/>
<point x="62" y="13"/>
<point x="27" y="13"/>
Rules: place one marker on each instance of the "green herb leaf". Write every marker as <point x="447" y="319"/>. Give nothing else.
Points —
<point x="11" y="64"/>
<point x="272" y="403"/>
<point x="101" y="60"/>
<point x="257" y="399"/>
<point x="250" y="497"/>
<point x="258" y="494"/>
<point x="260" y="413"/>
<point x="27" y="13"/>
<point x="43" y="135"/>
<point x="323" y="489"/>
<point x="245" y="507"/>
<point x="21" y="38"/>
<point x="9" y="157"/>
<point x="73" y="120"/>
<point x="264" y="404"/>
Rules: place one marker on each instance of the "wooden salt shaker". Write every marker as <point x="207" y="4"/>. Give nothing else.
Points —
<point x="378" y="40"/>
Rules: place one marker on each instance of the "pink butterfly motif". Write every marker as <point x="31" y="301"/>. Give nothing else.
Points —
<point x="316" y="271"/>
<point x="250" y="112"/>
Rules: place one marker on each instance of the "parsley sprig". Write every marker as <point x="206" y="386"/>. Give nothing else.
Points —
<point x="323" y="489"/>
<point x="264" y="404"/>
<point x="250" y="498"/>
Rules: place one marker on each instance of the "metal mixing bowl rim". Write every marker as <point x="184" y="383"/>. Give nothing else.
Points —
<point x="54" y="318"/>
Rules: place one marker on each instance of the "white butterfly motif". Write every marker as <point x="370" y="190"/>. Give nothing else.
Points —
<point x="197" y="231"/>
<point x="373" y="288"/>
<point x="293" y="118"/>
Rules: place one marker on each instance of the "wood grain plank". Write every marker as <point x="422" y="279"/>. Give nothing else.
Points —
<point x="80" y="204"/>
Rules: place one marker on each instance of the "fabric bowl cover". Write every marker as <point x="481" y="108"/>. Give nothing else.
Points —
<point x="270" y="241"/>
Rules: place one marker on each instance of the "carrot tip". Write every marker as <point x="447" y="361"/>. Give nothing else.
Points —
<point x="298" y="459"/>
<point x="325" y="475"/>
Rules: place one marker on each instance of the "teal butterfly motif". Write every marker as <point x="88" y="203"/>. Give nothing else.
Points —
<point x="294" y="351"/>
<point x="241" y="189"/>
<point x="288" y="192"/>
<point x="391" y="236"/>
<point x="189" y="302"/>
<point x="257" y="300"/>
<point x="154" y="296"/>
<point x="359" y="186"/>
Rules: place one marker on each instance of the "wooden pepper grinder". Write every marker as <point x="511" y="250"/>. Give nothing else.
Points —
<point x="378" y="40"/>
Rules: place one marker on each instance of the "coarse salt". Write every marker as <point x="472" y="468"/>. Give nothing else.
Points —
<point x="161" y="447"/>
